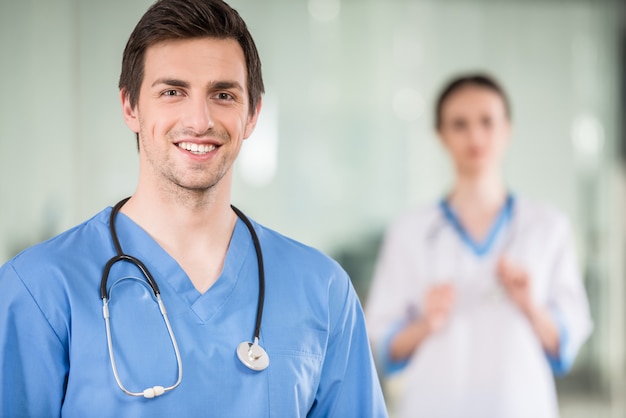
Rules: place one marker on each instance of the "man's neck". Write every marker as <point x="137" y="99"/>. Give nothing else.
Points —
<point x="194" y="230"/>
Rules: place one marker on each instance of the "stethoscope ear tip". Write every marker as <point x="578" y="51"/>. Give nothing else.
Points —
<point x="153" y="392"/>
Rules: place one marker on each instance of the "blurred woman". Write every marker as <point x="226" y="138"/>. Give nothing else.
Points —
<point x="479" y="297"/>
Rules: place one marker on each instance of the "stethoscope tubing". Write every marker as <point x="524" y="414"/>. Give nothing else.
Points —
<point x="155" y="390"/>
<point x="257" y="248"/>
<point x="104" y="295"/>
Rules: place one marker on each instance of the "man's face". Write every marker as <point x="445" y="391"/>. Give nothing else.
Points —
<point x="192" y="113"/>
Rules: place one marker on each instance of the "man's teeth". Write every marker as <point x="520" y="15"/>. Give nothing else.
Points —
<point x="196" y="148"/>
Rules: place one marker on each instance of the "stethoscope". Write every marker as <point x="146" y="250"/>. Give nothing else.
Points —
<point x="251" y="354"/>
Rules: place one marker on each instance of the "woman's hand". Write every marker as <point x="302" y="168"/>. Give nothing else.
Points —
<point x="517" y="283"/>
<point x="437" y="306"/>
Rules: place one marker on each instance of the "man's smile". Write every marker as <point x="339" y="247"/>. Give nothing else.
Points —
<point x="198" y="149"/>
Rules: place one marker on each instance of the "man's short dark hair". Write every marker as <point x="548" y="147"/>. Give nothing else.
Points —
<point x="188" y="19"/>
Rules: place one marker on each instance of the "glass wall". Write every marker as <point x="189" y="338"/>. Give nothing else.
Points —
<point x="345" y="141"/>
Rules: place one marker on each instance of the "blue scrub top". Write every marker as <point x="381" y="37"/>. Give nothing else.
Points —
<point x="54" y="357"/>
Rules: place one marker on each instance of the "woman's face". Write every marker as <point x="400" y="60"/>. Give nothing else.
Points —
<point x="474" y="129"/>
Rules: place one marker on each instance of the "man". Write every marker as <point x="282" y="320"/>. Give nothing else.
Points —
<point x="191" y="90"/>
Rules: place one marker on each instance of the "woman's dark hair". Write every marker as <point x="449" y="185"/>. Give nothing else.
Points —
<point x="470" y="80"/>
<point x="187" y="19"/>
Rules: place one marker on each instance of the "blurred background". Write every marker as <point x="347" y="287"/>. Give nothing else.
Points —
<point x="345" y="141"/>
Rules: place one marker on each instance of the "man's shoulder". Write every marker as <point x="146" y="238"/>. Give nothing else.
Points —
<point x="291" y="254"/>
<point x="52" y="272"/>
<point x="65" y="246"/>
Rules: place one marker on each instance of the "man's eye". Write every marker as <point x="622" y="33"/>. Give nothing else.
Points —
<point x="224" y="96"/>
<point x="170" y="93"/>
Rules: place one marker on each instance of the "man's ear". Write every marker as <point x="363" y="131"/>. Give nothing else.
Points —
<point x="252" y="120"/>
<point x="129" y="112"/>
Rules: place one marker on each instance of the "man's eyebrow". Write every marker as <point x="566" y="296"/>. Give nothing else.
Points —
<point x="216" y="85"/>
<point x="171" y="82"/>
<point x="226" y="85"/>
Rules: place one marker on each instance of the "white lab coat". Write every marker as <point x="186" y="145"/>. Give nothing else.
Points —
<point x="487" y="361"/>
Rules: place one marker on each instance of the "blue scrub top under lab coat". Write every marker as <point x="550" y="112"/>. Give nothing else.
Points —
<point x="54" y="357"/>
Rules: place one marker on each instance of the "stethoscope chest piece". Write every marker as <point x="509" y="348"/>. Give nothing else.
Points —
<point x="253" y="356"/>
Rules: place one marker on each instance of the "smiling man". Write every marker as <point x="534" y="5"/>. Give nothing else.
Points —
<point x="174" y="303"/>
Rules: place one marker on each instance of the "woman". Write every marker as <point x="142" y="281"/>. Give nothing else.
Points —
<point x="478" y="298"/>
